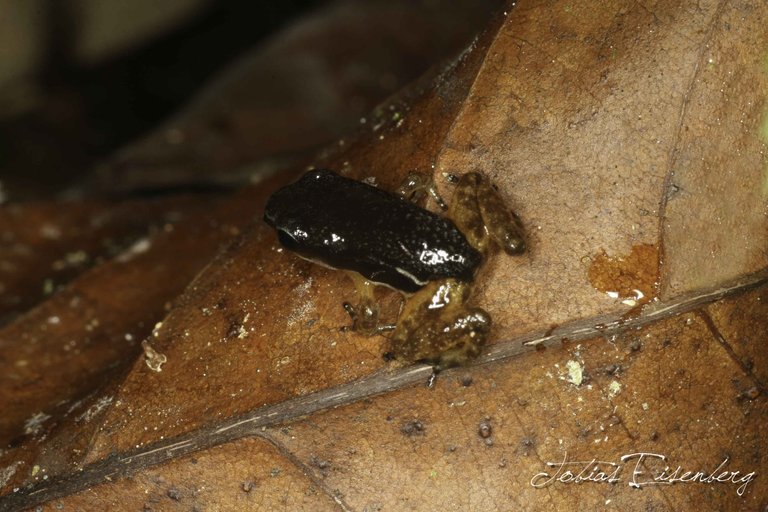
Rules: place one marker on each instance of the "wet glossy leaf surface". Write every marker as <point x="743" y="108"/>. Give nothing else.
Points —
<point x="628" y="138"/>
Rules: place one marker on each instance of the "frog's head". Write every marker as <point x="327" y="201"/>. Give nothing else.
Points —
<point x="289" y="233"/>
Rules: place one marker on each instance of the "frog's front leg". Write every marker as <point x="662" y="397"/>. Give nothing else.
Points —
<point x="437" y="327"/>
<point x="365" y="314"/>
<point x="479" y="211"/>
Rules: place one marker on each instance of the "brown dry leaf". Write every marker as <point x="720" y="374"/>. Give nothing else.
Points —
<point x="312" y="81"/>
<point x="630" y="140"/>
<point x="46" y="244"/>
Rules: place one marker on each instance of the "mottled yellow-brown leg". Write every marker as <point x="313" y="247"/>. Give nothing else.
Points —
<point x="467" y="340"/>
<point x="436" y="328"/>
<point x="465" y="211"/>
<point x="364" y="315"/>
<point x="502" y="224"/>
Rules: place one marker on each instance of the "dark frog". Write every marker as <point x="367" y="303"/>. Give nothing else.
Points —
<point x="388" y="239"/>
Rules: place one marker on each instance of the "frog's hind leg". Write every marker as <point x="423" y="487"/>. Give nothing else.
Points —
<point x="465" y="211"/>
<point x="364" y="315"/>
<point x="502" y="225"/>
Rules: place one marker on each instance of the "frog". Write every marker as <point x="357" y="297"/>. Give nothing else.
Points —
<point x="386" y="238"/>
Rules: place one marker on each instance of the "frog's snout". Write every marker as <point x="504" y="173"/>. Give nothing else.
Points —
<point x="270" y="213"/>
<point x="287" y="240"/>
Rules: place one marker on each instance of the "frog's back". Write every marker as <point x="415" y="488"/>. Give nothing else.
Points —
<point x="348" y="224"/>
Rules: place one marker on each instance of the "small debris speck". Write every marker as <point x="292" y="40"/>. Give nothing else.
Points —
<point x="413" y="428"/>
<point x="154" y="359"/>
<point x="614" y="388"/>
<point x="575" y="372"/>
<point x="235" y="329"/>
<point x="751" y="393"/>
<point x="484" y="429"/>
<point x="140" y="246"/>
<point x="34" y="424"/>
<point x="319" y="463"/>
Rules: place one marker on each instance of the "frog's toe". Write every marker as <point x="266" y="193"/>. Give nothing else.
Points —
<point x="365" y="319"/>
<point x="513" y="244"/>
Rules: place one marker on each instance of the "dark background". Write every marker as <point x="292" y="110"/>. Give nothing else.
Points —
<point x="87" y="111"/>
